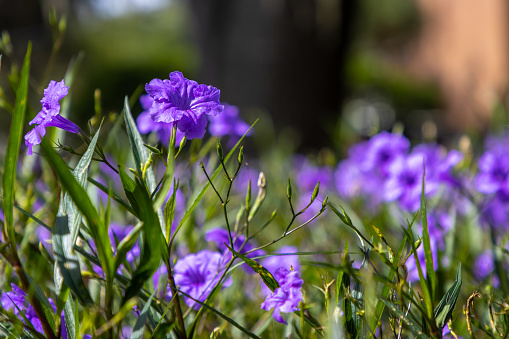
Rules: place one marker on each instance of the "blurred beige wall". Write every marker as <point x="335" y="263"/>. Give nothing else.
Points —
<point x="463" y="45"/>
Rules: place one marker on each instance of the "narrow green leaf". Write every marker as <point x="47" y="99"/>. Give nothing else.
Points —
<point x="153" y="241"/>
<point x="65" y="233"/>
<point x="80" y="172"/>
<point x="71" y="319"/>
<point x="85" y="206"/>
<point x="139" y="326"/>
<point x="129" y="188"/>
<point x="443" y="311"/>
<point x="424" y="286"/>
<point x="430" y="269"/>
<point x="267" y="277"/>
<point x="168" y="175"/>
<point x="126" y="245"/>
<point x="140" y="153"/>
<point x="67" y="263"/>
<point x="416" y="329"/>
<point x="12" y="154"/>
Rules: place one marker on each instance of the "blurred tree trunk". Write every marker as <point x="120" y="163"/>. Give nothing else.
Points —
<point x="285" y="56"/>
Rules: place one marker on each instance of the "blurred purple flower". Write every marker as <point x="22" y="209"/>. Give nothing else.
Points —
<point x="493" y="173"/>
<point x="382" y="150"/>
<point x="352" y="181"/>
<point x="49" y="115"/>
<point x="495" y="212"/>
<point x="404" y="182"/>
<point x="183" y="102"/>
<point x="484" y="265"/>
<point x="198" y="273"/>
<point x="287" y="296"/>
<point x="439" y="162"/>
<point x="229" y="124"/>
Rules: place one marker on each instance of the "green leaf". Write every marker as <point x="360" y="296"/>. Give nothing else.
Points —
<point x="65" y="233"/>
<point x="140" y="153"/>
<point x="139" y="326"/>
<point x="12" y="154"/>
<point x="266" y="276"/>
<point x="153" y="241"/>
<point x="416" y="330"/>
<point x="129" y="188"/>
<point x="80" y="172"/>
<point x="67" y="264"/>
<point x="443" y="311"/>
<point x="81" y="199"/>
<point x="430" y="269"/>
<point x="126" y="245"/>
<point x="71" y="318"/>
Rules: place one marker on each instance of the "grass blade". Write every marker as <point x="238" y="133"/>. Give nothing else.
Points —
<point x="13" y="144"/>
<point x="430" y="269"/>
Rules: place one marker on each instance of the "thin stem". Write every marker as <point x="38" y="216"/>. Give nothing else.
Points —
<point x="176" y="301"/>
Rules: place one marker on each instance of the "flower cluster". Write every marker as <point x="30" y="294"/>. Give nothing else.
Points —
<point x="385" y="161"/>
<point x="49" y="115"/>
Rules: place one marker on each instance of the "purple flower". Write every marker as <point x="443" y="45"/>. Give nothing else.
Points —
<point x="287" y="296"/>
<point x="404" y="182"/>
<point x="198" y="273"/>
<point x="273" y="263"/>
<point x="495" y="212"/>
<point x="382" y="150"/>
<point x="493" y="173"/>
<point x="17" y="301"/>
<point x="147" y="125"/>
<point x="354" y="182"/>
<point x="49" y="115"/>
<point x="439" y="162"/>
<point x="182" y="102"/>
<point x="229" y="124"/>
<point x="484" y="265"/>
